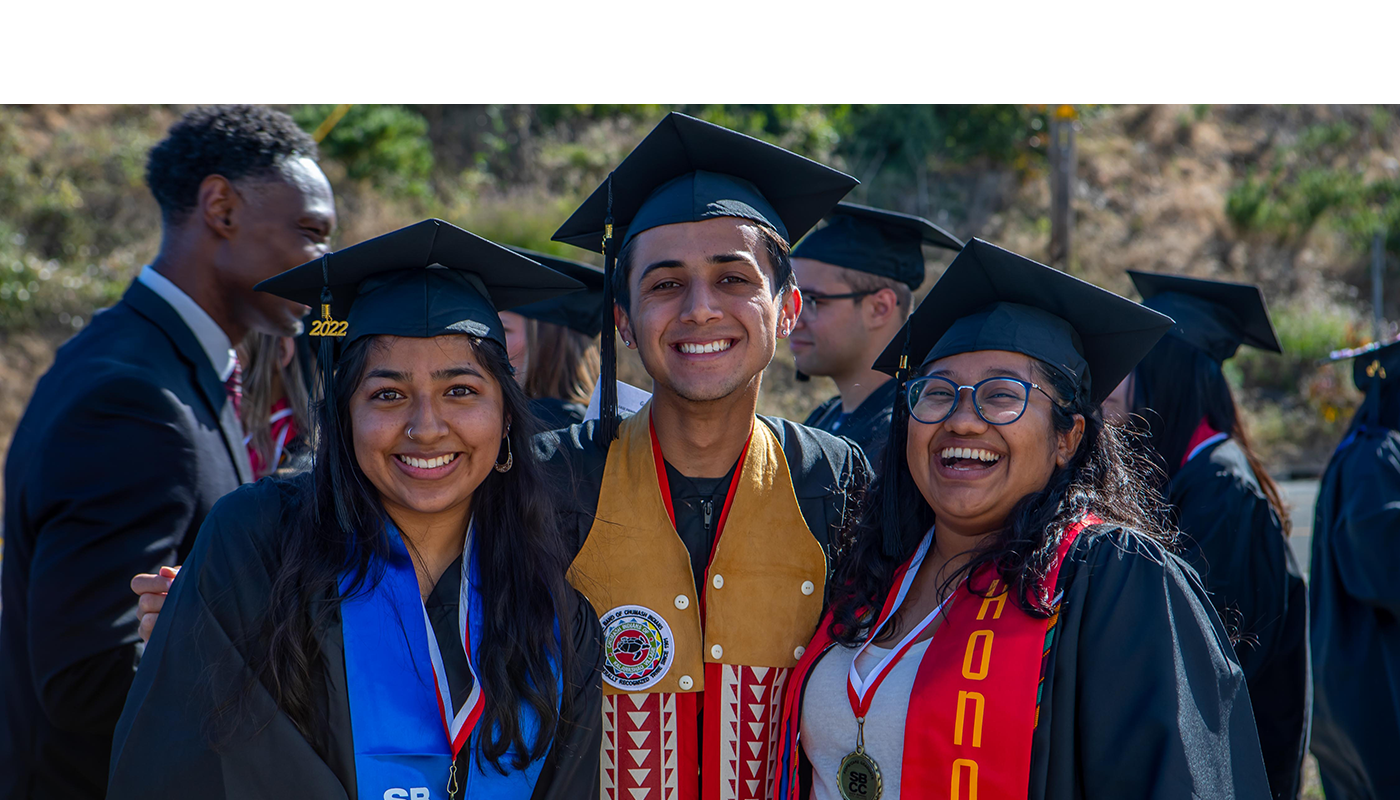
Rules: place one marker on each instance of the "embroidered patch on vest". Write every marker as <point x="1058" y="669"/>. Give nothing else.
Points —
<point x="638" y="646"/>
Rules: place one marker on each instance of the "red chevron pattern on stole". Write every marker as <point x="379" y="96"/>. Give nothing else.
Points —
<point x="640" y="747"/>
<point x="745" y="739"/>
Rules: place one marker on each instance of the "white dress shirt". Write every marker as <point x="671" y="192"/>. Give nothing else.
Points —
<point x="211" y="337"/>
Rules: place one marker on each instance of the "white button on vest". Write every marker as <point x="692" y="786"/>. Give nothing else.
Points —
<point x="718" y="582"/>
<point x="687" y="683"/>
<point x="682" y="602"/>
<point x="808" y="587"/>
<point x="717" y="651"/>
<point x="798" y="652"/>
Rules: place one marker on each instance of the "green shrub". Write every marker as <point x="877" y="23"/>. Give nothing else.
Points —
<point x="386" y="144"/>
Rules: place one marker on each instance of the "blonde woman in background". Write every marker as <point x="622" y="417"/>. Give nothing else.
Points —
<point x="275" y="403"/>
<point x="553" y="345"/>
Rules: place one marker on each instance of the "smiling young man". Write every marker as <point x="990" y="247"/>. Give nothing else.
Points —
<point x="857" y="275"/>
<point x="704" y="529"/>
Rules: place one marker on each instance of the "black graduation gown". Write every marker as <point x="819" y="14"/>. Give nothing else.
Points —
<point x="1235" y="542"/>
<point x="195" y="663"/>
<point x="868" y="426"/>
<point x="829" y="476"/>
<point x="1355" y="597"/>
<point x="1143" y="697"/>
<point x="554" y="413"/>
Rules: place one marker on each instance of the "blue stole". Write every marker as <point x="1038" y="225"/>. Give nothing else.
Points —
<point x="401" y="746"/>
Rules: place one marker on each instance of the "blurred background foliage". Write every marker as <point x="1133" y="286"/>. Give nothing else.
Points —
<point x="1286" y="196"/>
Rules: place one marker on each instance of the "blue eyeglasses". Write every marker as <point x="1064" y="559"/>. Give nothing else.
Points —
<point x="998" y="401"/>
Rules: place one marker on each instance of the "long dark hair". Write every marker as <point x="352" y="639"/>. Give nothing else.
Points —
<point x="521" y="554"/>
<point x="1101" y="477"/>
<point x="1179" y="385"/>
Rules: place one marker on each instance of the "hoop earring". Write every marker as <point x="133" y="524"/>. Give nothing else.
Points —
<point x="510" y="459"/>
<point x="410" y="433"/>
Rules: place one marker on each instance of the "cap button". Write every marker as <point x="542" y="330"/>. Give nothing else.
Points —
<point x="687" y="683"/>
<point x="808" y="587"/>
<point x="682" y="602"/>
<point x="717" y="581"/>
<point x="717" y="652"/>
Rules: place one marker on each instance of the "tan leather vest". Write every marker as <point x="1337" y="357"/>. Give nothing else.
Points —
<point x="763" y="594"/>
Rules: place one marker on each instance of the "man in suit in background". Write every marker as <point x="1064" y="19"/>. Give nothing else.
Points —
<point x="133" y="435"/>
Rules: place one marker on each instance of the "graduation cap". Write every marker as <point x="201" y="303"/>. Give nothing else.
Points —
<point x="879" y="242"/>
<point x="1373" y="364"/>
<point x="994" y="299"/>
<point x="1213" y="316"/>
<point x="429" y="279"/>
<point x="580" y="311"/>
<point x="688" y="170"/>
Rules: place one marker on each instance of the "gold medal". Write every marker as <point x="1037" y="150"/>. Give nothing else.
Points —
<point x="859" y="775"/>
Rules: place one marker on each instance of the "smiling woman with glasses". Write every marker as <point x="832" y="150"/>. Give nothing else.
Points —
<point x="1008" y="620"/>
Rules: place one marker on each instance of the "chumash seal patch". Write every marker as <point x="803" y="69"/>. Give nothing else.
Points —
<point x="638" y="648"/>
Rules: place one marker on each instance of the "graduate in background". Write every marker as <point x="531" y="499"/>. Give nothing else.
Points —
<point x="858" y="274"/>
<point x="1233" y="521"/>
<point x="703" y="531"/>
<point x="1040" y="640"/>
<point x="275" y="405"/>
<point x="560" y="363"/>
<point x="396" y="623"/>
<point x="1355" y="592"/>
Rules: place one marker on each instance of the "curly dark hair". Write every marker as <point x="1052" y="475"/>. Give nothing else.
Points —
<point x="1105" y="476"/>
<point x="235" y="141"/>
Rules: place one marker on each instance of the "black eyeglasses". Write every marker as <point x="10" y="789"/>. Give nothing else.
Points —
<point x="998" y="401"/>
<point x="817" y="297"/>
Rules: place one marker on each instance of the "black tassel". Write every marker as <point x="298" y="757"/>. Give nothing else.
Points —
<point x="607" y="393"/>
<point x="330" y="417"/>
<point x="893" y="470"/>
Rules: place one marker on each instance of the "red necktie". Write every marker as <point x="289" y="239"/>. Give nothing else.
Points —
<point x="234" y="387"/>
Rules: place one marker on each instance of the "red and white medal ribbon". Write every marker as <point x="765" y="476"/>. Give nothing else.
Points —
<point x="459" y="727"/>
<point x="861" y="692"/>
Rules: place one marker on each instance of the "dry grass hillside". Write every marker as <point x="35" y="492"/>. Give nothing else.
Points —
<point x="1154" y="191"/>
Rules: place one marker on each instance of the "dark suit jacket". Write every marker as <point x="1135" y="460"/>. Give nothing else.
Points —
<point x="127" y="442"/>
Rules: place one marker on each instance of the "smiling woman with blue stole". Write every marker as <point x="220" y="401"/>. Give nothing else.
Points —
<point x="396" y="623"/>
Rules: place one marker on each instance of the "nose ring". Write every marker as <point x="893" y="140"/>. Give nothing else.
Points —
<point x="410" y="432"/>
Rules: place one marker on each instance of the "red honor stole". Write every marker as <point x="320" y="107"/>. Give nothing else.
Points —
<point x="973" y="707"/>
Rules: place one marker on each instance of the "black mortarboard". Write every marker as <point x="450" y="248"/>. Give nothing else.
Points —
<point x="428" y="279"/>
<point x="687" y="170"/>
<point x="884" y="243"/>
<point x="580" y="311"/>
<point x="1213" y="316"/>
<point x="1374" y="363"/>
<point x="993" y="299"/>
